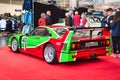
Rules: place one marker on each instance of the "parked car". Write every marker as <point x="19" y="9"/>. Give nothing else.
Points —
<point x="95" y="21"/>
<point x="62" y="44"/>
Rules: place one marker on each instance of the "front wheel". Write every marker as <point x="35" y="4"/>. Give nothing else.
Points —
<point x="50" y="54"/>
<point x="14" y="45"/>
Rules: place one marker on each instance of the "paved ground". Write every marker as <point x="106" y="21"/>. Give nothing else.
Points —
<point x="3" y="40"/>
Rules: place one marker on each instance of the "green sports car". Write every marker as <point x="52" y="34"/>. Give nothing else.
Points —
<point x="62" y="44"/>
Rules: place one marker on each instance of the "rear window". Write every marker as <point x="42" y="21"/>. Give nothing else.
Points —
<point x="60" y="31"/>
<point x="80" y="33"/>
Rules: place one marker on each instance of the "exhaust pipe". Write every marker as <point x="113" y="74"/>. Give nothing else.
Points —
<point x="93" y="55"/>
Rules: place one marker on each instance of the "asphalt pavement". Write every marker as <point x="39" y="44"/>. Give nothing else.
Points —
<point x="3" y="40"/>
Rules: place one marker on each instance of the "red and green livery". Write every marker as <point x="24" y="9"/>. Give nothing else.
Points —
<point x="62" y="44"/>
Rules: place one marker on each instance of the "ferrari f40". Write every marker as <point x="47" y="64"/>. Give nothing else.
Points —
<point x="62" y="44"/>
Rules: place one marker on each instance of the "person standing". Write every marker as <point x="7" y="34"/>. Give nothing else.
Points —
<point x="84" y="22"/>
<point x="115" y="33"/>
<point x="118" y="9"/>
<point x="110" y="16"/>
<point x="67" y="22"/>
<point x="3" y="24"/>
<point x="48" y="18"/>
<point x="71" y="20"/>
<point x="76" y="18"/>
<point x="104" y="20"/>
<point x="42" y="20"/>
<point x="9" y="25"/>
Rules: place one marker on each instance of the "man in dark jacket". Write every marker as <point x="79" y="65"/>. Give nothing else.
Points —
<point x="110" y="16"/>
<point x="67" y="21"/>
<point x="9" y="26"/>
<point x="48" y="18"/>
<point x="71" y="18"/>
<point x="104" y="20"/>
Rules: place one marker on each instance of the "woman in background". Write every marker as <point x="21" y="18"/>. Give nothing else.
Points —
<point x="42" y="20"/>
<point x="115" y="33"/>
<point x="84" y="22"/>
<point x="67" y="22"/>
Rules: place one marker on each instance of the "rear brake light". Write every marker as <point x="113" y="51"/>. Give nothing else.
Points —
<point x="106" y="42"/>
<point x="75" y="46"/>
<point x="78" y="45"/>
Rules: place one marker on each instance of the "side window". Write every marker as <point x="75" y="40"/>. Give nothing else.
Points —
<point x="41" y="32"/>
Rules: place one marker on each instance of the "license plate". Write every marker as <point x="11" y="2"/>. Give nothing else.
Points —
<point x="91" y="44"/>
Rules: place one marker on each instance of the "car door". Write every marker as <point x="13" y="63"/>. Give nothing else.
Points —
<point x="34" y="41"/>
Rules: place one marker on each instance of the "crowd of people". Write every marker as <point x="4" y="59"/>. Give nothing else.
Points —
<point x="112" y="21"/>
<point x="10" y="23"/>
<point x="76" y="20"/>
<point x="45" y="19"/>
<point x="71" y="19"/>
<point x="108" y="17"/>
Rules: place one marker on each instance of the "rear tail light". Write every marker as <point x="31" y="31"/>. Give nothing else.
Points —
<point x="78" y="45"/>
<point x="75" y="46"/>
<point x="106" y="42"/>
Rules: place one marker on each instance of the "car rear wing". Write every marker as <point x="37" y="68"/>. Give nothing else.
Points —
<point x="89" y="28"/>
<point x="104" y="30"/>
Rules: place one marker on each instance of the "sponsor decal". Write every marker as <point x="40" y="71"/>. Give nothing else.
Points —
<point x="24" y="40"/>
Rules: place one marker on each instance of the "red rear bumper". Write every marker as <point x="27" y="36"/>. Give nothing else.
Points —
<point x="91" y="53"/>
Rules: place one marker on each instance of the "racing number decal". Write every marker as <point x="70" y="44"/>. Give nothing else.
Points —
<point x="24" y="40"/>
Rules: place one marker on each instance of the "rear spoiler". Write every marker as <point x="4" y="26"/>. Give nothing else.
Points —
<point x="105" y="31"/>
<point x="90" y="28"/>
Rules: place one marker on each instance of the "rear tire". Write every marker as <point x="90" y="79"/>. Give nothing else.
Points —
<point x="50" y="54"/>
<point x="14" y="45"/>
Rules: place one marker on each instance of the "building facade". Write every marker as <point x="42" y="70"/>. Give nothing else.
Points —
<point x="108" y="4"/>
<point x="14" y="2"/>
<point x="13" y="5"/>
<point x="99" y="5"/>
